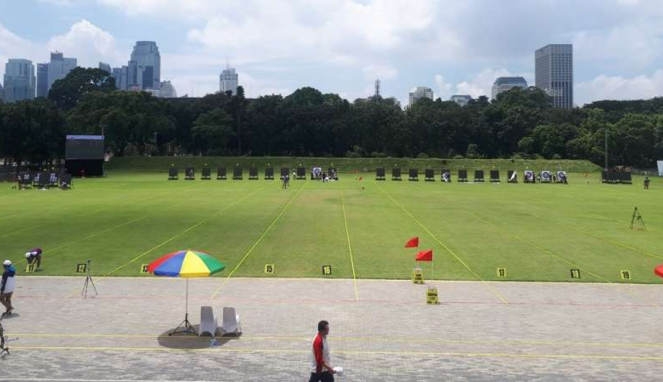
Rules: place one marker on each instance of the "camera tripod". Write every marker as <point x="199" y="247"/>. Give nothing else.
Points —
<point x="88" y="281"/>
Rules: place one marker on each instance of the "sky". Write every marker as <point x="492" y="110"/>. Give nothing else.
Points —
<point x="342" y="46"/>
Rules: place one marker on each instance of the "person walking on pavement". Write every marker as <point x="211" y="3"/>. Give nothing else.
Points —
<point x="321" y="370"/>
<point x="7" y="286"/>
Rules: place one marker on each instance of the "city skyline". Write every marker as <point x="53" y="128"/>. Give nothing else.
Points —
<point x="342" y="47"/>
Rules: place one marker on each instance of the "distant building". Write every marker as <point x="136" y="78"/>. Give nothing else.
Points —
<point x="42" y="80"/>
<point x="2" y="93"/>
<point x="19" y="80"/>
<point x="503" y="84"/>
<point x="419" y="93"/>
<point x="166" y="90"/>
<point x="145" y="66"/>
<point x="554" y="73"/>
<point x="462" y="100"/>
<point x="228" y="81"/>
<point x="106" y="67"/>
<point x="59" y="67"/>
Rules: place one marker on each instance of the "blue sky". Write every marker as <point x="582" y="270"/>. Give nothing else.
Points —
<point x="342" y="46"/>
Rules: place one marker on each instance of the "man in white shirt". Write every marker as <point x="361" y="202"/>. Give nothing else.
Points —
<point x="7" y="286"/>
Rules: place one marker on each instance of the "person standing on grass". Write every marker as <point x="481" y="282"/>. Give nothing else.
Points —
<point x="321" y="370"/>
<point x="646" y="183"/>
<point x="7" y="286"/>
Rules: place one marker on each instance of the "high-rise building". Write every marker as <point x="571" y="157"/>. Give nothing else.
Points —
<point x="59" y="67"/>
<point x="228" y="81"/>
<point x="166" y="90"/>
<point x="105" y="67"/>
<point x="554" y="73"/>
<point x="462" y="100"/>
<point x="2" y="93"/>
<point x="503" y="84"/>
<point x="145" y="66"/>
<point x="19" y="80"/>
<point x="419" y="93"/>
<point x="42" y="80"/>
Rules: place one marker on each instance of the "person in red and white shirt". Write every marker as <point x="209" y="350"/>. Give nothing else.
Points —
<point x="321" y="370"/>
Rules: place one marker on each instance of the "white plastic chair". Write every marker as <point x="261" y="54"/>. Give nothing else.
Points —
<point x="208" y="323"/>
<point x="231" y="322"/>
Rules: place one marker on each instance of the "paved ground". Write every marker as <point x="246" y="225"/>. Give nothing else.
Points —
<point x="479" y="332"/>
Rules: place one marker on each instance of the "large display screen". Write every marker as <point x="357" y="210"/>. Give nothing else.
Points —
<point x="84" y="147"/>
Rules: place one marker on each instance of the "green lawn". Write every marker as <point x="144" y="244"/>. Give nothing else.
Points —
<point x="535" y="232"/>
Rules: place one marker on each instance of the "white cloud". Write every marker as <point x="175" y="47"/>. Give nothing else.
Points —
<point x="619" y="88"/>
<point x="13" y="46"/>
<point x="382" y="72"/>
<point x="89" y="44"/>
<point x="444" y="89"/>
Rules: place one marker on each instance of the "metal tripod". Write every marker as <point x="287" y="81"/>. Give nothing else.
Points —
<point x="88" y="282"/>
<point x="185" y="326"/>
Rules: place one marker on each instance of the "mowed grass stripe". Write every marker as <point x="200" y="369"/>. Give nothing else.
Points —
<point x="79" y="203"/>
<point x="144" y="216"/>
<point x="492" y="289"/>
<point x="72" y="229"/>
<point x="560" y="258"/>
<point x="610" y="256"/>
<point x="347" y="235"/>
<point x="225" y="280"/>
<point x="191" y="228"/>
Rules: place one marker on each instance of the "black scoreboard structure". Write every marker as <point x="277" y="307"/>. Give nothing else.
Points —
<point x="84" y="155"/>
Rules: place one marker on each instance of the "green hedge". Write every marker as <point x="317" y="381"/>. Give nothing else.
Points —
<point x="161" y="164"/>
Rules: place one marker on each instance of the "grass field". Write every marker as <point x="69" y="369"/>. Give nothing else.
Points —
<point x="536" y="232"/>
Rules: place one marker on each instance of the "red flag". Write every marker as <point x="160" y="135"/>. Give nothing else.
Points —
<point x="412" y="243"/>
<point x="659" y="270"/>
<point x="425" y="255"/>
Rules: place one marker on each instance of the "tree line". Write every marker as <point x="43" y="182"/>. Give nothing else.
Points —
<point x="519" y="123"/>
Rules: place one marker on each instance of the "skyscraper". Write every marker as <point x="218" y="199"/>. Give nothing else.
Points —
<point x="503" y="84"/>
<point x="554" y="73"/>
<point x="105" y="67"/>
<point x="19" y="80"/>
<point x="2" y="93"/>
<point x="59" y="67"/>
<point x="42" y="80"/>
<point x="145" y="66"/>
<point x="228" y="81"/>
<point x="419" y="93"/>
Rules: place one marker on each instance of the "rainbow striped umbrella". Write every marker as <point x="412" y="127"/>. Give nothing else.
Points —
<point x="185" y="264"/>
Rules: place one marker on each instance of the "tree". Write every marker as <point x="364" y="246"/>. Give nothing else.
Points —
<point x="31" y="130"/>
<point x="212" y="131"/>
<point x="69" y="90"/>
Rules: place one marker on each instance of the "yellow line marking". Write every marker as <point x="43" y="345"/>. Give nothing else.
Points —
<point x="362" y="339"/>
<point x="258" y="241"/>
<point x="494" y="290"/>
<point x="353" y="352"/>
<point x="347" y="235"/>
<point x="557" y="256"/>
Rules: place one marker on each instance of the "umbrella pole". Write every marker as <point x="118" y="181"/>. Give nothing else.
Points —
<point x="185" y="327"/>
